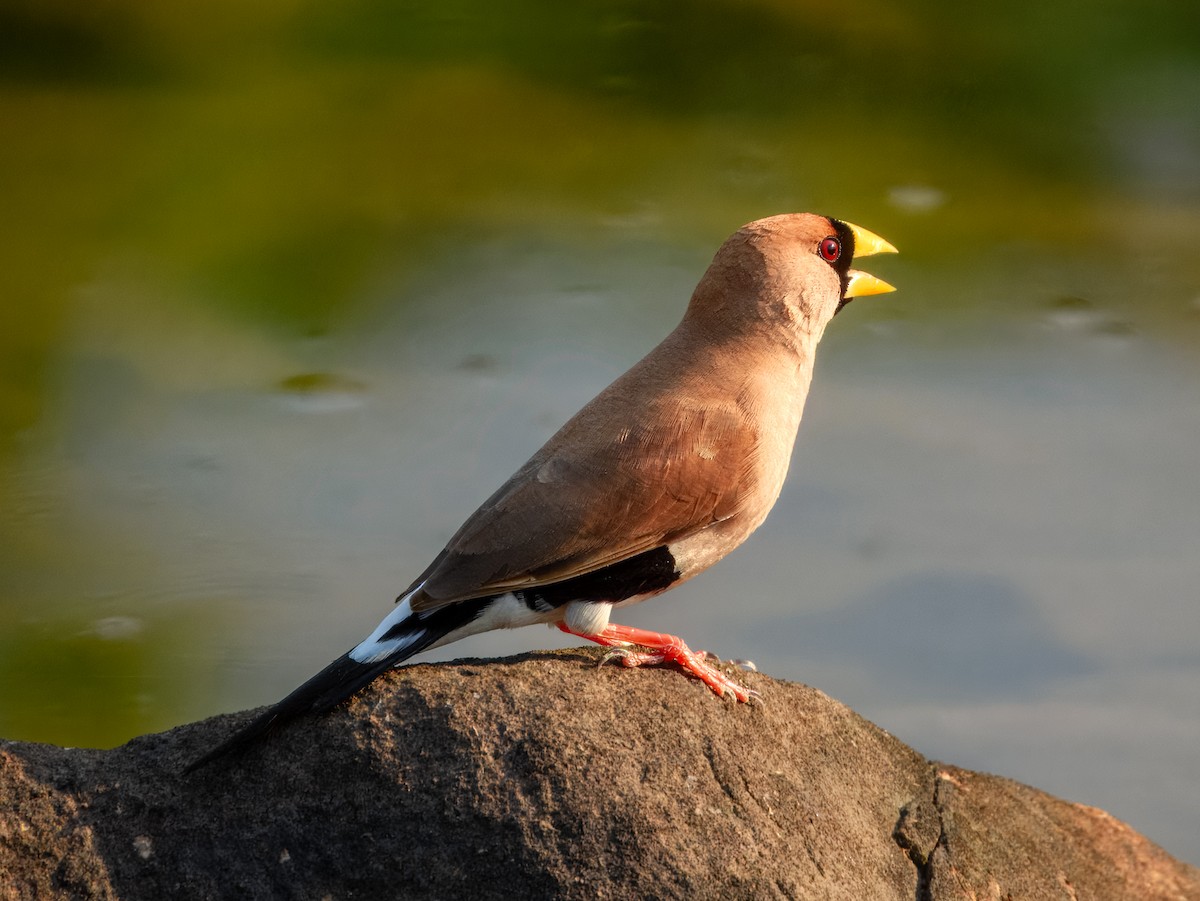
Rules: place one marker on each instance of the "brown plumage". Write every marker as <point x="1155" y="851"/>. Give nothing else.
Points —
<point x="698" y="433"/>
<point x="661" y="475"/>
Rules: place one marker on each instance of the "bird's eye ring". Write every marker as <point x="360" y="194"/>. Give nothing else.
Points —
<point x="830" y="249"/>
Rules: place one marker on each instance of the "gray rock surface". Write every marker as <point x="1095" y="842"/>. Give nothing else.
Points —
<point x="543" y="776"/>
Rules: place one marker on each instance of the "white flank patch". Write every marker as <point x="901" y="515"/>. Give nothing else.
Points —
<point x="505" y="612"/>
<point x="587" y="617"/>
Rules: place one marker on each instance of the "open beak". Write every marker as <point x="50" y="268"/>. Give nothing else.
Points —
<point x="862" y="284"/>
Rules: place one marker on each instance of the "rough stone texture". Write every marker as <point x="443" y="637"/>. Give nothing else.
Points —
<point x="543" y="776"/>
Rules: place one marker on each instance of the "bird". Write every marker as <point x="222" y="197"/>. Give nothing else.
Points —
<point x="654" y="480"/>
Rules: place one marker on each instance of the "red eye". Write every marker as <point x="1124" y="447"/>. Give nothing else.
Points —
<point x="830" y="249"/>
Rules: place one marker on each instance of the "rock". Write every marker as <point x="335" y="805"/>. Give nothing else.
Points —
<point x="543" y="776"/>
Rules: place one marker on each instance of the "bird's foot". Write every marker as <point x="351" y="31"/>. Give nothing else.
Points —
<point x="660" y="648"/>
<point x="631" y="658"/>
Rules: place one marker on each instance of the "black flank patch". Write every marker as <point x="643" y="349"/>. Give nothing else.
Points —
<point x="437" y="622"/>
<point x="648" y="572"/>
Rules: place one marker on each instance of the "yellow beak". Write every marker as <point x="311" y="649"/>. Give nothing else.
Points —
<point x="862" y="284"/>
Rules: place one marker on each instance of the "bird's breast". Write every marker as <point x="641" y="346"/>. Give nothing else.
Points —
<point x="753" y="464"/>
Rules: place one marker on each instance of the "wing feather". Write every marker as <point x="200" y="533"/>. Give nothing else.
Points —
<point x="611" y="484"/>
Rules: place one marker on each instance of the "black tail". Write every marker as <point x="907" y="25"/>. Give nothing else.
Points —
<point x="345" y="676"/>
<point x="322" y="692"/>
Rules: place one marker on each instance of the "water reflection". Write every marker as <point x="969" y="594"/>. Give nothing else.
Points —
<point x="936" y="635"/>
<point x="288" y="292"/>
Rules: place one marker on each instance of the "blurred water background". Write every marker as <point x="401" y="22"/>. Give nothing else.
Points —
<point x="287" y="288"/>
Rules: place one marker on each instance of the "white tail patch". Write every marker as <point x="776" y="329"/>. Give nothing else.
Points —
<point x="374" y="648"/>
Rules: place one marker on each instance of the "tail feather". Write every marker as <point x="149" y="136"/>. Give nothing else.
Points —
<point x="324" y="691"/>
<point x="336" y="683"/>
<point x="401" y="635"/>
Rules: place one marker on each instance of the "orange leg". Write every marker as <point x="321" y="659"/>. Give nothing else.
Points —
<point x="663" y="649"/>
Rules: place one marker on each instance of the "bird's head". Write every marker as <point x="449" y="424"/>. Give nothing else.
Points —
<point x="793" y="270"/>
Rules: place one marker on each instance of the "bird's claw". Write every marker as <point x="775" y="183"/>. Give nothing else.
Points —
<point x="726" y="686"/>
<point x="721" y="685"/>
<point x="638" y="647"/>
<point x="607" y="656"/>
<point x="632" y="658"/>
<point x="614" y="654"/>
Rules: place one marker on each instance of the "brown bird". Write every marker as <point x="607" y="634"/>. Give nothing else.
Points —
<point x="661" y="475"/>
